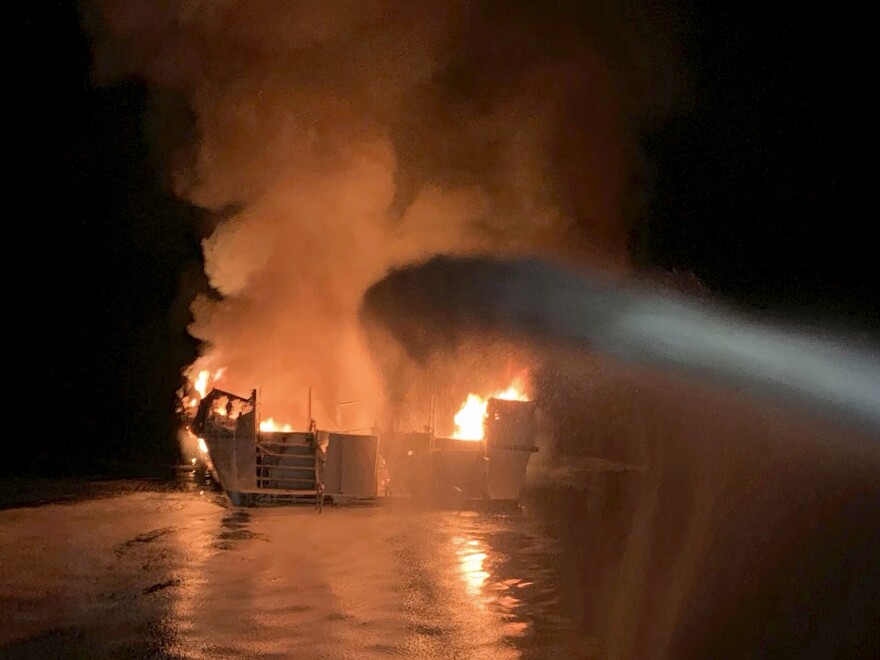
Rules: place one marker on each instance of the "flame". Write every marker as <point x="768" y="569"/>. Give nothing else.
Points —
<point x="201" y="383"/>
<point x="469" y="418"/>
<point x="203" y="447"/>
<point x="204" y="381"/>
<point x="270" y="425"/>
<point x="231" y="409"/>
<point x="195" y="390"/>
<point x="220" y="406"/>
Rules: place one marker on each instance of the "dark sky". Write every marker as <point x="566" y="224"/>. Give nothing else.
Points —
<point x="759" y="190"/>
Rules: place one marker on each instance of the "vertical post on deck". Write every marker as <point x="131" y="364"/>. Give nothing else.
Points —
<point x="431" y="425"/>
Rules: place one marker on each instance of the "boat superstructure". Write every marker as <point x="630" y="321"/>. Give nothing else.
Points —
<point x="256" y="467"/>
<point x="447" y="472"/>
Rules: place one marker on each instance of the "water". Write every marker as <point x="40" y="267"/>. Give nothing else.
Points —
<point x="172" y="572"/>
<point x="707" y="550"/>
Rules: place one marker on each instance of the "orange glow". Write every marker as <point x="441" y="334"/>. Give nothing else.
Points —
<point x="270" y="425"/>
<point x="472" y="570"/>
<point x="205" y="381"/>
<point x="201" y="383"/>
<point x="203" y="447"/>
<point x="469" y="418"/>
<point x="472" y="564"/>
<point x="220" y="406"/>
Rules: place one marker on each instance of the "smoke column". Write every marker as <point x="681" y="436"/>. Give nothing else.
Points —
<point x="334" y="140"/>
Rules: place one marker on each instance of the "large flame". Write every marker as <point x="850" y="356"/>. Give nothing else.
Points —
<point x="470" y="417"/>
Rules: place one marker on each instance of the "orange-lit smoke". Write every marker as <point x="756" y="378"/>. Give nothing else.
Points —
<point x="333" y="140"/>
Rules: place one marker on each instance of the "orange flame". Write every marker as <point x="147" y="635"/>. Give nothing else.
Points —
<point x="201" y="383"/>
<point x="469" y="418"/>
<point x="220" y="406"/>
<point x="205" y="380"/>
<point x="270" y="425"/>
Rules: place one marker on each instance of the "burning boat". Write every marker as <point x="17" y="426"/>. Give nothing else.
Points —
<point x="482" y="465"/>
<point x="265" y="466"/>
<point x="261" y="463"/>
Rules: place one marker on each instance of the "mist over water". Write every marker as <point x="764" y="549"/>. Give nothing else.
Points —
<point x="733" y="532"/>
<point x="709" y="508"/>
<point x="448" y="299"/>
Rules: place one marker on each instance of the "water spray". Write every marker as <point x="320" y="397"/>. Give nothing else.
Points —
<point x="535" y="300"/>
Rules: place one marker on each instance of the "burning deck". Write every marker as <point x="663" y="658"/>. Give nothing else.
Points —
<point x="466" y="473"/>
<point x="257" y="467"/>
<point x="484" y="461"/>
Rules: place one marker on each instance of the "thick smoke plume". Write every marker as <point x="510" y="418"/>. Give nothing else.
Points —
<point x="335" y="140"/>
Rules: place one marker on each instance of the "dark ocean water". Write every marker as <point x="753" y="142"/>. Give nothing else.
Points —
<point x="722" y="557"/>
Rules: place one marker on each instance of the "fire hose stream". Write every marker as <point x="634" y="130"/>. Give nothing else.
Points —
<point x="830" y="376"/>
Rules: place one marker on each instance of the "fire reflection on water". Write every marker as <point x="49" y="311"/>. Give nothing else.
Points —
<point x="208" y="581"/>
<point x="470" y="562"/>
<point x="490" y="597"/>
<point x="509" y="578"/>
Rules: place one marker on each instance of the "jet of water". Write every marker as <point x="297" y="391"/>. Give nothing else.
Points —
<point x="834" y="377"/>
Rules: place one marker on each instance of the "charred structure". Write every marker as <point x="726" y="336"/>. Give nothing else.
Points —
<point x="256" y="467"/>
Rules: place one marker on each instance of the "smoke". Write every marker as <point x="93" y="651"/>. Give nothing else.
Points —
<point x="335" y="140"/>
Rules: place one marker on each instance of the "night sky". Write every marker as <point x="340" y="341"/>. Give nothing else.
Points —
<point x="759" y="190"/>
